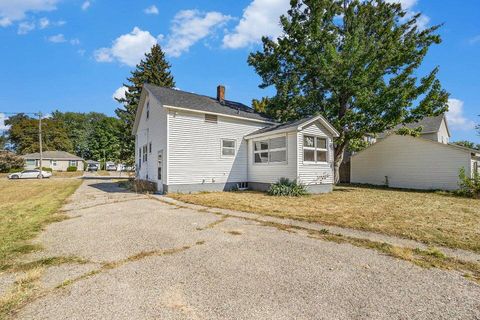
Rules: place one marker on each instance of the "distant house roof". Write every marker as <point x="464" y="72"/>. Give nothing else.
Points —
<point x="428" y="124"/>
<point x="52" y="155"/>
<point x="187" y="100"/>
<point x="294" y="125"/>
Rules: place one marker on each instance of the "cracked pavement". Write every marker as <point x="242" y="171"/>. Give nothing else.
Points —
<point x="152" y="260"/>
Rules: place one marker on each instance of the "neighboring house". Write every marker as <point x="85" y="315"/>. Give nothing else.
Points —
<point x="56" y="160"/>
<point x="426" y="162"/>
<point x="187" y="142"/>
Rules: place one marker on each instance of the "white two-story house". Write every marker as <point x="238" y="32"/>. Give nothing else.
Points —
<point x="186" y="142"/>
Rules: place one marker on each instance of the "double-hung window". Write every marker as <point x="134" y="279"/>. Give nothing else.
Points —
<point x="228" y="147"/>
<point x="72" y="163"/>
<point x="270" y="150"/>
<point x="315" y="149"/>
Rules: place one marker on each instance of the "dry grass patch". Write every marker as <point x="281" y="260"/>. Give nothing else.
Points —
<point x="433" y="218"/>
<point x="26" y="206"/>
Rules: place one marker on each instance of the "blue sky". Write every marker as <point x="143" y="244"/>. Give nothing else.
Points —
<point x="73" y="55"/>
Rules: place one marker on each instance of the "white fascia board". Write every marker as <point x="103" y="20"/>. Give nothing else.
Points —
<point x="324" y="122"/>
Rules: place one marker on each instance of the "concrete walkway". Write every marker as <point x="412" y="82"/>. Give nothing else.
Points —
<point x="152" y="260"/>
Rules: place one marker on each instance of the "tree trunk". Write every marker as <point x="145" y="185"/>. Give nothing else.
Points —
<point x="339" y="152"/>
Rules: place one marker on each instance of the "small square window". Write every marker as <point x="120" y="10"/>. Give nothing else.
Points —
<point x="228" y="147"/>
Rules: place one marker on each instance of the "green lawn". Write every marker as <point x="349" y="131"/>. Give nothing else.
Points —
<point x="26" y="206"/>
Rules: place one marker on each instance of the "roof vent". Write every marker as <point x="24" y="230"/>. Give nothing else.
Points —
<point x="221" y="94"/>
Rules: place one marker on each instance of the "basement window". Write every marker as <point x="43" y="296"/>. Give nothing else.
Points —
<point x="211" y="118"/>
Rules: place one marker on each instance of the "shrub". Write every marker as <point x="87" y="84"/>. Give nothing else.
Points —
<point x="9" y="161"/>
<point x="469" y="187"/>
<point x="44" y="169"/>
<point x="287" y="188"/>
<point x="71" y="169"/>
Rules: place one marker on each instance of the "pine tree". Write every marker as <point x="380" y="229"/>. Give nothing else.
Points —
<point x="354" y="61"/>
<point x="153" y="69"/>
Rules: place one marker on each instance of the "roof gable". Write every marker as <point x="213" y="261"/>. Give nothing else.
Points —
<point x="428" y="124"/>
<point x="294" y="125"/>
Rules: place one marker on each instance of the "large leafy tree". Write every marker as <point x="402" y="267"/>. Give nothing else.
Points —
<point x="355" y="62"/>
<point x="105" y="139"/>
<point x="23" y="134"/>
<point x="81" y="127"/>
<point x="153" y="69"/>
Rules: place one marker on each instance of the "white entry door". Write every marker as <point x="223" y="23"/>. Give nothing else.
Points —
<point x="160" y="171"/>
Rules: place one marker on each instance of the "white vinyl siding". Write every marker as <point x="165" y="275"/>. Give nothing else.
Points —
<point x="272" y="172"/>
<point x="151" y="138"/>
<point x="319" y="172"/>
<point x="195" y="148"/>
<point x="410" y="163"/>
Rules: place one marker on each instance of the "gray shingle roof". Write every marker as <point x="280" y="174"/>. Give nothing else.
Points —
<point x="429" y="124"/>
<point x="52" y="155"/>
<point x="187" y="100"/>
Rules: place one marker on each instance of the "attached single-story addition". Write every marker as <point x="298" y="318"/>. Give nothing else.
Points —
<point x="187" y="142"/>
<point x="427" y="162"/>
<point x="56" y="160"/>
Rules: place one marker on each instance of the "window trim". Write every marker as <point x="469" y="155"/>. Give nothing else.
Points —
<point x="315" y="148"/>
<point x="276" y="163"/>
<point x="144" y="152"/>
<point x="234" y="148"/>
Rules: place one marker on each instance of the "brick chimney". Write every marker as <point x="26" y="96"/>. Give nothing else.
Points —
<point x="221" y="94"/>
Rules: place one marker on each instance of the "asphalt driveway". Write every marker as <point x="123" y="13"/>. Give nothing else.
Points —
<point x="151" y="260"/>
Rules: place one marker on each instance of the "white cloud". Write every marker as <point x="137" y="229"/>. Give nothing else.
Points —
<point x="58" y="38"/>
<point x="74" y="42"/>
<point x="151" y="10"/>
<point x="406" y="4"/>
<point x="25" y="27"/>
<point x="103" y="55"/>
<point x="260" y="18"/>
<point x="455" y="116"/>
<point x="3" y="127"/>
<point x="16" y="10"/>
<point x="128" y="48"/>
<point x="85" y="5"/>
<point x="119" y="93"/>
<point x="43" y="23"/>
<point x="191" y="26"/>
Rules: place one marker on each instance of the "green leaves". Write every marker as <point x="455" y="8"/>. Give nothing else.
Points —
<point x="356" y="62"/>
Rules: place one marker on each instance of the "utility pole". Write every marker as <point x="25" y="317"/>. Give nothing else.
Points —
<point x="40" y="143"/>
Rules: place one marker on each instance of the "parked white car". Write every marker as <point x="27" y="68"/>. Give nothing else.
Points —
<point x="29" y="174"/>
